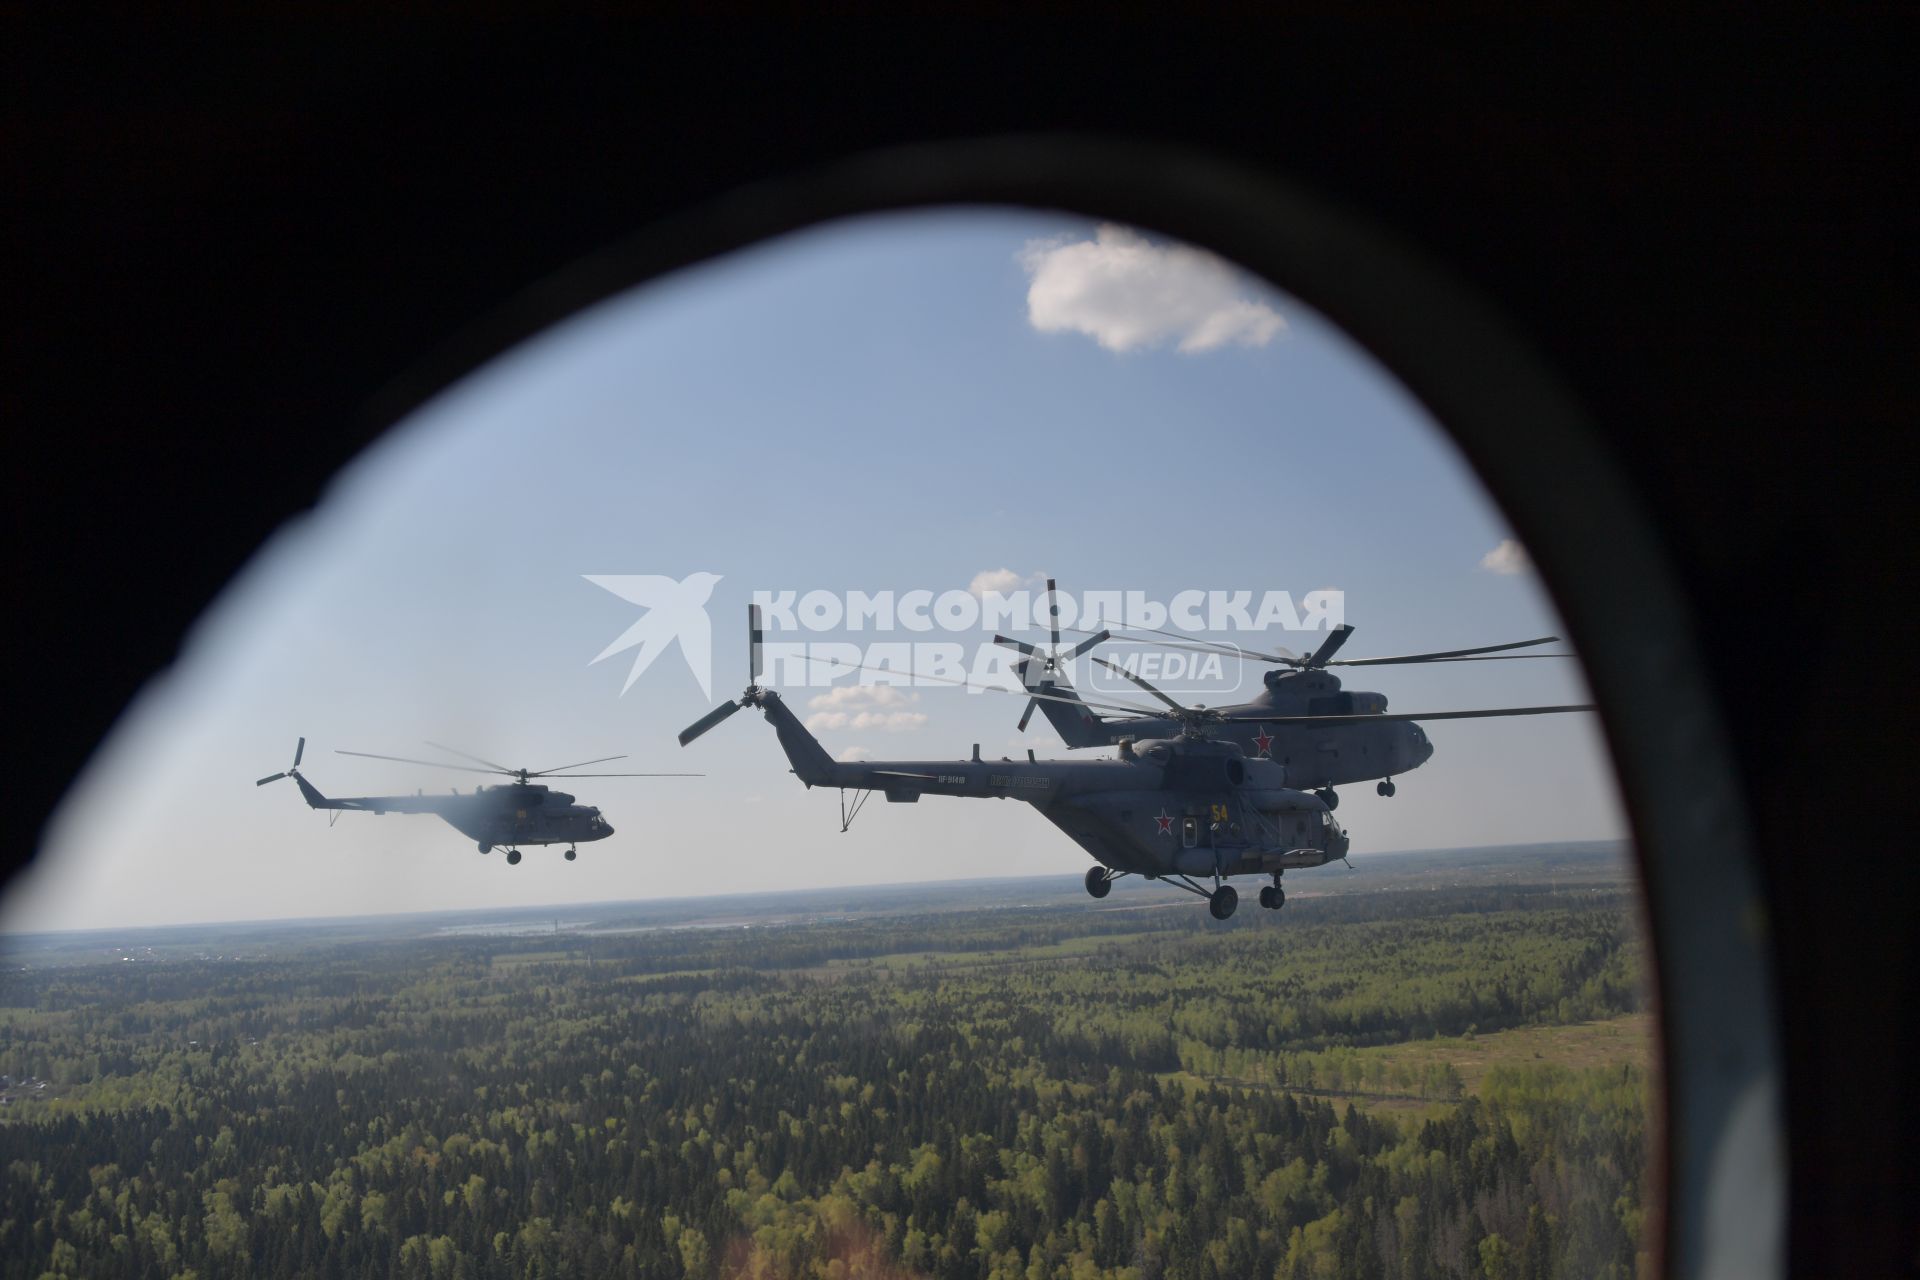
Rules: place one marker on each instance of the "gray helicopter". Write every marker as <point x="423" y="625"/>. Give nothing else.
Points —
<point x="1324" y="736"/>
<point x="523" y="812"/>
<point x="1185" y="811"/>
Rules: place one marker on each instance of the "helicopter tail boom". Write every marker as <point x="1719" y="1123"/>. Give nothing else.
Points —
<point x="810" y="761"/>
<point x="1077" y="724"/>
<point x="312" y="794"/>
<point x="307" y="789"/>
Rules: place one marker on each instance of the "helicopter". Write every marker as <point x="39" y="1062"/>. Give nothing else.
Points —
<point x="1185" y="811"/>
<point x="523" y="812"/>
<point x="1324" y="735"/>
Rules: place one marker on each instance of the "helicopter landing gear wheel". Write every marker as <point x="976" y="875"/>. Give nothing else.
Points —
<point x="1098" y="885"/>
<point x="513" y="857"/>
<point x="1222" y="902"/>
<point x="1273" y="897"/>
<point x="1328" y="797"/>
<point x="572" y="854"/>
<point x="1386" y="787"/>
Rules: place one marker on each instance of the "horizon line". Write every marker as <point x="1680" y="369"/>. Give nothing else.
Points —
<point x="7" y="935"/>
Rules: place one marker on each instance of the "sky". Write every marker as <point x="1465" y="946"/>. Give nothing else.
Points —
<point x="934" y="402"/>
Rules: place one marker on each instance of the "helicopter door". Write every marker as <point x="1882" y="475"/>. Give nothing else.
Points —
<point x="1189" y="831"/>
<point x="1329" y="760"/>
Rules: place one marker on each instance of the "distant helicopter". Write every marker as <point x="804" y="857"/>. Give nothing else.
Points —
<point x="1325" y="736"/>
<point x="1182" y="811"/>
<point x="521" y="812"/>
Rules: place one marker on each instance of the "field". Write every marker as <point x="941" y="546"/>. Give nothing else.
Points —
<point x="1433" y="1065"/>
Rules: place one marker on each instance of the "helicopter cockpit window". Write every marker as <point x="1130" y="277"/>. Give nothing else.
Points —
<point x="768" y="978"/>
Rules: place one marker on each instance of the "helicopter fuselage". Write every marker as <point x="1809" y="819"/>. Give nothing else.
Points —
<point x="506" y="816"/>
<point x="1314" y="756"/>
<point x="1184" y="806"/>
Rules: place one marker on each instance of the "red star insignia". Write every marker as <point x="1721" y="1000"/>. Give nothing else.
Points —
<point x="1263" y="742"/>
<point x="1165" y="820"/>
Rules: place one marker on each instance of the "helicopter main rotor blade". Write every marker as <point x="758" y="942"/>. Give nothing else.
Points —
<point x="1223" y="648"/>
<point x="1491" y="657"/>
<point x="467" y="755"/>
<point x="436" y="764"/>
<point x="541" y="773"/>
<point x="1413" y="715"/>
<point x="708" y="721"/>
<point x="1451" y="654"/>
<point x="1227" y="649"/>
<point x="1053" y="615"/>
<point x="1122" y="671"/>
<point x="756" y="631"/>
<point x="1174" y="640"/>
<point x="1331" y="645"/>
<point x="1098" y="638"/>
<point x="619" y="775"/>
<point x="1118" y="708"/>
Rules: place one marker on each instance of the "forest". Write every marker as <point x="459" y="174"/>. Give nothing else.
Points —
<point x="1435" y="1077"/>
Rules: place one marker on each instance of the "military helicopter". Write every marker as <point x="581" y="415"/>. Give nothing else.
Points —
<point x="1182" y="811"/>
<point x="508" y="816"/>
<point x="1325" y="736"/>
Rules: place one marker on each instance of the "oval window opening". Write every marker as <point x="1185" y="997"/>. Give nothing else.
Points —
<point x="440" y="906"/>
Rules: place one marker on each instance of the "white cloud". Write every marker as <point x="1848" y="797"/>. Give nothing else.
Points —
<point x="1125" y="292"/>
<point x="864" y="706"/>
<point x="853" y="697"/>
<point x="1005" y="581"/>
<point x="1508" y="558"/>
<point x="884" y="721"/>
<point x="855" y="753"/>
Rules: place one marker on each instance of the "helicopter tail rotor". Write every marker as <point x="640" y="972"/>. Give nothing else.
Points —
<point x="308" y="792"/>
<point x="292" y="770"/>
<point x="755" y="633"/>
<point x="1042" y="666"/>
<point x="709" y="720"/>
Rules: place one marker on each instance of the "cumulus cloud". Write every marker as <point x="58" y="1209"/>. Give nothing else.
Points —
<point x="855" y="753"/>
<point x="864" y="706"/>
<point x="1005" y="581"/>
<point x="1124" y="292"/>
<point x="1508" y="558"/>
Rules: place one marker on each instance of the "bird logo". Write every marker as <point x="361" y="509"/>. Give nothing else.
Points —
<point x="675" y="610"/>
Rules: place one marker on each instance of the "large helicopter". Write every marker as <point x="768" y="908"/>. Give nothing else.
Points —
<point x="523" y="812"/>
<point x="1185" y="811"/>
<point x="1325" y="736"/>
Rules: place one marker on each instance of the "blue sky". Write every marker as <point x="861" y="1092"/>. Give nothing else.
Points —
<point x="871" y="406"/>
